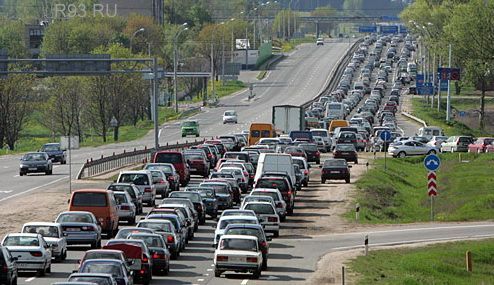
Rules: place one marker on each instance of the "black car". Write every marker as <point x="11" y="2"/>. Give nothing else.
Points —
<point x="8" y="274"/>
<point x="335" y="169"/>
<point x="209" y="200"/>
<point x="346" y="151"/>
<point x="196" y="199"/>
<point x="35" y="162"/>
<point x="55" y="152"/>
<point x="313" y="154"/>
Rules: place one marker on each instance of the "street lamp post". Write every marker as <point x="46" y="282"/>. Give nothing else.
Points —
<point x="114" y="125"/>
<point x="175" y="64"/>
<point x="133" y="35"/>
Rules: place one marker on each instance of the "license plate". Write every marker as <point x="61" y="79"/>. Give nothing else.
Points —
<point x="73" y="229"/>
<point x="334" y="172"/>
<point x="344" y="153"/>
<point x="192" y="169"/>
<point x="236" y="259"/>
<point x="22" y="265"/>
<point x="33" y="168"/>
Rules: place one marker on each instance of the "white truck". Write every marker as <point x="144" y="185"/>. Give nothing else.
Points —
<point x="287" y="118"/>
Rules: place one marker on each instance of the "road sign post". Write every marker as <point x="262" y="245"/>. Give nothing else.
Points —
<point x="432" y="163"/>
<point x="385" y="136"/>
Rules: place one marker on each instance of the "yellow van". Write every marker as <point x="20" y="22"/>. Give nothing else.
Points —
<point x="336" y="124"/>
<point x="260" y="130"/>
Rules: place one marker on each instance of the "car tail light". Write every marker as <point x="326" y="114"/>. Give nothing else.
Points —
<point x="147" y="189"/>
<point x="124" y="207"/>
<point x="36" y="253"/>
<point x="142" y="272"/>
<point x="252" y="259"/>
<point x="145" y="258"/>
<point x="306" y="172"/>
<point x="221" y="258"/>
<point x="158" y="256"/>
<point x="318" y="153"/>
<point x="171" y="178"/>
<point x="272" y="219"/>
<point x="170" y="239"/>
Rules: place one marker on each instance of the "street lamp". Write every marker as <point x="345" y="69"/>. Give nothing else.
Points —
<point x="114" y="125"/>
<point x="184" y="28"/>
<point x="133" y="35"/>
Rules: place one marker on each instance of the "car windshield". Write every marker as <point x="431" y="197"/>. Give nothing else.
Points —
<point x="251" y="198"/>
<point x="192" y="196"/>
<point x="51" y="147"/>
<point x="150" y="241"/>
<point x="193" y="156"/>
<point x="21" y="241"/>
<point x="164" y="168"/>
<point x="167" y="157"/>
<point x="124" y="233"/>
<point x="189" y="124"/>
<point x="120" y="198"/>
<point x="34" y="157"/>
<point x="102" y="267"/>
<point x="238" y="244"/>
<point x="89" y="199"/>
<point x="75" y="218"/>
<point x="266" y="209"/>
<point x="335" y="162"/>
<point x="262" y="193"/>
<point x="345" y="147"/>
<point x="45" y="231"/>
<point x="205" y="192"/>
<point x="225" y="223"/>
<point x="219" y="188"/>
<point x="237" y="213"/>
<point x="157" y="226"/>
<point x="135" y="178"/>
<point x="102" y="255"/>
<point x="230" y="113"/>
<point x="91" y="279"/>
<point x="271" y="183"/>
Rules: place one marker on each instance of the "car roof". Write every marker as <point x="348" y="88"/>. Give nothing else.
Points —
<point x="76" y="212"/>
<point x="106" y="275"/>
<point x="239" y="237"/>
<point x="258" y="202"/>
<point x="103" y="260"/>
<point x="244" y="226"/>
<point x="91" y="190"/>
<point x="239" y="216"/>
<point x="42" y="224"/>
<point x="134" y="172"/>
<point x="23" y="234"/>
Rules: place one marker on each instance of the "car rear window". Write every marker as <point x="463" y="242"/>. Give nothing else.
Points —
<point x="194" y="156"/>
<point x="45" y="231"/>
<point x="196" y="198"/>
<point x="309" y="147"/>
<point x="269" y="194"/>
<point x="168" y="158"/>
<point x="137" y="179"/>
<point x="164" y="168"/>
<point x="239" y="156"/>
<point x="245" y="232"/>
<point x="161" y="227"/>
<point x="225" y="223"/>
<point x="128" y="189"/>
<point x="260" y="208"/>
<point x="102" y="255"/>
<point x="273" y="184"/>
<point x="335" y="162"/>
<point x="238" y="244"/>
<point x="89" y="199"/>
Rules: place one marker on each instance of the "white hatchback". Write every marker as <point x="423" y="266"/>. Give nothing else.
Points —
<point x="230" y="116"/>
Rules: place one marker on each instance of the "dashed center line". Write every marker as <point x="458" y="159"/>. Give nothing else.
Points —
<point x="30" y="279"/>
<point x="244" y="282"/>
<point x="200" y="280"/>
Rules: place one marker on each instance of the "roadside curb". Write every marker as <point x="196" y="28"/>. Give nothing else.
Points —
<point x="414" y="118"/>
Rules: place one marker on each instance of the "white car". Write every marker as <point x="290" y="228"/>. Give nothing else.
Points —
<point x="31" y="250"/>
<point x="320" y="41"/>
<point x="280" y="204"/>
<point x="237" y="212"/>
<point x="257" y="198"/>
<point x="225" y="221"/>
<point x="230" y="116"/>
<point x="53" y="235"/>
<point x="239" y="253"/>
<point x="410" y="147"/>
<point x="125" y="208"/>
<point x="267" y="216"/>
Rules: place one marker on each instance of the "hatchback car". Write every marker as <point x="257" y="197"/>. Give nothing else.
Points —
<point x="80" y="227"/>
<point x="53" y="234"/>
<point x="335" y="169"/>
<point x="346" y="151"/>
<point x="230" y="116"/>
<point x="190" y="128"/>
<point x="456" y="144"/>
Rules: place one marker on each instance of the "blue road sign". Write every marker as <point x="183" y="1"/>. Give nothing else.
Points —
<point x="432" y="162"/>
<point x="385" y="135"/>
<point x="367" y="29"/>
<point x="425" y="90"/>
<point x="403" y="30"/>
<point x="444" y="85"/>
<point x="391" y="29"/>
<point x="419" y="79"/>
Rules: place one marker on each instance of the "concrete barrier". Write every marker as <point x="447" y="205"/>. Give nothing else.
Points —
<point x="414" y="118"/>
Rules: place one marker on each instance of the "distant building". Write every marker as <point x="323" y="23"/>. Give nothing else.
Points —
<point x="152" y="8"/>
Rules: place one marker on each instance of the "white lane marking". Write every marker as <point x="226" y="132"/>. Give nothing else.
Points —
<point x="5" y="167"/>
<point x="200" y="280"/>
<point x="30" y="279"/>
<point x="159" y="133"/>
<point x="244" y="282"/>
<point x="206" y="274"/>
<point x="6" y="191"/>
<point x="212" y="264"/>
<point x="32" y="189"/>
<point x="16" y="175"/>
<point x="209" y="269"/>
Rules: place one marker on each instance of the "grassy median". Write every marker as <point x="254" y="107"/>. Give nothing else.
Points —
<point x="434" y="264"/>
<point x="399" y="194"/>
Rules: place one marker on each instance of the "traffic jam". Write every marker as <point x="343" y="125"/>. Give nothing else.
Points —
<point x="243" y="186"/>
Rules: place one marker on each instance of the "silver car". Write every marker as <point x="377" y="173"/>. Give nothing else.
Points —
<point x="143" y="180"/>
<point x="410" y="147"/>
<point x="125" y="208"/>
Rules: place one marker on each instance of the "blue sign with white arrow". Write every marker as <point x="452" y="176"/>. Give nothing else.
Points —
<point x="385" y="135"/>
<point x="432" y="162"/>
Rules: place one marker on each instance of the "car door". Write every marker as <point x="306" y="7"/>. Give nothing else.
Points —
<point x="420" y="148"/>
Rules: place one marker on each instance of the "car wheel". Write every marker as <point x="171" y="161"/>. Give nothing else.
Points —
<point x="217" y="273"/>
<point x="323" y="181"/>
<point x="347" y="180"/>
<point x="21" y="173"/>
<point x="41" y="272"/>
<point x="64" y="161"/>
<point x="276" y="234"/>
<point x="197" y="135"/>
<point x="256" y="274"/>
<point x="402" y="154"/>
<point x="183" y="135"/>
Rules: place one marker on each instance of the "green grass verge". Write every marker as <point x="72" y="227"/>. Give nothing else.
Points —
<point x="433" y="264"/>
<point x="34" y="134"/>
<point x="287" y="46"/>
<point x="222" y="89"/>
<point x="434" y="118"/>
<point x="399" y="194"/>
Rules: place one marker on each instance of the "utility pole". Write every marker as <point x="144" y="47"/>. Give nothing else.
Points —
<point x="439" y="91"/>
<point x="448" y="99"/>
<point x="246" y="47"/>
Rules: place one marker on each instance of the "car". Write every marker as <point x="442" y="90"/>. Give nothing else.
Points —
<point x="312" y="152"/>
<point x="117" y="268"/>
<point x="267" y="215"/>
<point x="92" y="278"/>
<point x="31" y="250"/>
<point x="227" y="220"/>
<point x="252" y="230"/>
<point x="179" y="226"/>
<point x="346" y="151"/>
<point x="238" y="212"/>
<point x="8" y="263"/>
<point x="196" y="199"/>
<point x="35" y="162"/>
<point x="239" y="253"/>
<point x="437" y="141"/>
<point x="410" y="147"/>
<point x="208" y="196"/>
<point x="190" y="128"/>
<point x="304" y="167"/>
<point x="166" y="229"/>
<point x="142" y="179"/>
<point x="178" y="160"/>
<point x="126" y="210"/>
<point x="103" y="254"/>
<point x="296" y="151"/>
<point x="283" y="185"/>
<point x="55" y="152"/>
<point x="188" y="218"/>
<point x="198" y="163"/>
<point x="134" y="192"/>
<point x="160" y="182"/>
<point x="320" y="42"/>
<point x="223" y="193"/>
<point x="230" y="116"/>
<point x="480" y="145"/>
<point x="280" y="204"/>
<point x="159" y="252"/>
<point x="335" y="169"/>
<point x="170" y="172"/>
<point x="53" y="235"/>
<point x="456" y="144"/>
<point x="80" y="227"/>
<point x="126" y="232"/>
<point x="185" y="202"/>
<point x="257" y="198"/>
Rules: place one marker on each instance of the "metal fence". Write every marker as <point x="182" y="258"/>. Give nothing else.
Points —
<point x="93" y="167"/>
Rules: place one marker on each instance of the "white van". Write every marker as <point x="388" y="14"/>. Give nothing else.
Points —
<point x="335" y="110"/>
<point x="276" y="162"/>
<point x="325" y="136"/>
<point x="429" y="132"/>
<point x="411" y="67"/>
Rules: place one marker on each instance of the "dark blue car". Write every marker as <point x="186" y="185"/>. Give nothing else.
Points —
<point x="55" y="152"/>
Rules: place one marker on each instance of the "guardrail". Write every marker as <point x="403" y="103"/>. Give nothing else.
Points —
<point x="93" y="167"/>
<point x="414" y="118"/>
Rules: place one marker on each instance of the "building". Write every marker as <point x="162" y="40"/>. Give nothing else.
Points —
<point x="152" y="8"/>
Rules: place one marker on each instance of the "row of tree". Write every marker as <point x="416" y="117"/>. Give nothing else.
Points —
<point x="468" y="25"/>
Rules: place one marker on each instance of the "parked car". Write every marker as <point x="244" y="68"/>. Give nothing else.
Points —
<point x="335" y="169"/>
<point x="480" y="145"/>
<point x="55" y="152"/>
<point x="410" y="147"/>
<point x="31" y="250"/>
<point x="238" y="253"/>
<point x="53" y="235"/>
<point x="456" y="144"/>
<point x="35" y="162"/>
<point x="80" y="227"/>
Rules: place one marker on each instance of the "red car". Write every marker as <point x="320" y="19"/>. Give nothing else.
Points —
<point x="282" y="184"/>
<point x="481" y="145"/>
<point x="296" y="151"/>
<point x="198" y="163"/>
<point x="178" y="160"/>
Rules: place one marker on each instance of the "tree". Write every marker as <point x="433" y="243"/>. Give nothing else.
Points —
<point x="281" y="23"/>
<point x="12" y="38"/>
<point x="152" y="35"/>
